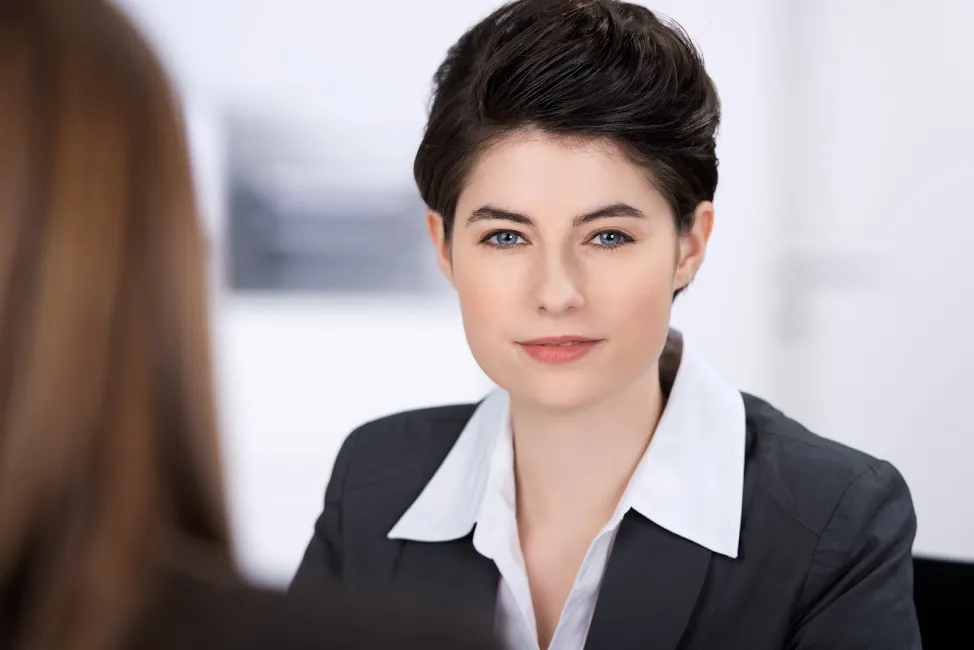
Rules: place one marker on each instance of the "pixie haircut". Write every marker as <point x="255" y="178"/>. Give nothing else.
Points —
<point x="579" y="69"/>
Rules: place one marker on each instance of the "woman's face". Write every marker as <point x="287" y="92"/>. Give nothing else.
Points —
<point x="565" y="259"/>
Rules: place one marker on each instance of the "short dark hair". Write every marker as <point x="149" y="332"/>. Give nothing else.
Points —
<point x="579" y="68"/>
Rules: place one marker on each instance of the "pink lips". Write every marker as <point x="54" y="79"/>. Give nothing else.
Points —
<point x="559" y="350"/>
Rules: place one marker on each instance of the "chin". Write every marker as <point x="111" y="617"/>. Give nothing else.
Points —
<point x="561" y="391"/>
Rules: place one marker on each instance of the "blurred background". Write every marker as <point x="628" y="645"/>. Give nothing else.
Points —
<point x="839" y="283"/>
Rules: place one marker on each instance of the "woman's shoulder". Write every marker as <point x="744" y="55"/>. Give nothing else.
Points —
<point x="404" y="443"/>
<point x="415" y="425"/>
<point x="772" y="431"/>
<point x="809" y="476"/>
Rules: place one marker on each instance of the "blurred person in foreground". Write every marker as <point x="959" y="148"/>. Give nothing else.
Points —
<point x="615" y="491"/>
<point x="113" y="531"/>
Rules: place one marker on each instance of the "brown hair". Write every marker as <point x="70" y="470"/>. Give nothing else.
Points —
<point x="109" y="458"/>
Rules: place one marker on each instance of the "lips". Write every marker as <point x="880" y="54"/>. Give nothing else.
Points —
<point x="560" y="340"/>
<point x="559" y="350"/>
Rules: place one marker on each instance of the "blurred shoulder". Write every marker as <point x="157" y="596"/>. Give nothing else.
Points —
<point x="198" y="614"/>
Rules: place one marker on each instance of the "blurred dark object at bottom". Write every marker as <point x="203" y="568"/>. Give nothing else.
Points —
<point x="944" y="595"/>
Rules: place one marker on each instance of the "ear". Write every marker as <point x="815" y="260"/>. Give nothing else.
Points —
<point x="437" y="231"/>
<point x="693" y="245"/>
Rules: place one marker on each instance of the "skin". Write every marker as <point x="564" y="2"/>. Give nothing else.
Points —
<point x="556" y="236"/>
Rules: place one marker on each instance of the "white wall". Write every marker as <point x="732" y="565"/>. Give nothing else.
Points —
<point x="877" y="230"/>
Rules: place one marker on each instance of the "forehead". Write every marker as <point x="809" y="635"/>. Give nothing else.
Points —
<point x="544" y="174"/>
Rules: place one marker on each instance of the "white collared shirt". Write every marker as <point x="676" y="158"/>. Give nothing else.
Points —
<point x="689" y="481"/>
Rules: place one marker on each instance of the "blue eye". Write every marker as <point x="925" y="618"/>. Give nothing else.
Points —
<point x="611" y="239"/>
<point x="505" y="239"/>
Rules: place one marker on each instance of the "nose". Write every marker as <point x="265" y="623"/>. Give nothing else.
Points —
<point x="557" y="285"/>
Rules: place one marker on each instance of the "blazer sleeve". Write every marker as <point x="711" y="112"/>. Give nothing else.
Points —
<point x="321" y="566"/>
<point x="858" y="594"/>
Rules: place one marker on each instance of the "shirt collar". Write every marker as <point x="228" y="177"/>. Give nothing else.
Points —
<point x="690" y="480"/>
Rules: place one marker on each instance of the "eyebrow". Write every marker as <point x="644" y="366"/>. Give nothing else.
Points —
<point x="488" y="212"/>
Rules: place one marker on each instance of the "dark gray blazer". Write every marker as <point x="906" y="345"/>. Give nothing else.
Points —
<point x="825" y="554"/>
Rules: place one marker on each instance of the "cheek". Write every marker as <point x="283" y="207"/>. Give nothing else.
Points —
<point x="635" y="295"/>
<point x="487" y="287"/>
<point x="490" y="304"/>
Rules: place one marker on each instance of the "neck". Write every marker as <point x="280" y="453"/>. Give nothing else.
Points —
<point x="577" y="462"/>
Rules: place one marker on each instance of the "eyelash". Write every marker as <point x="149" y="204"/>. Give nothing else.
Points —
<point x="625" y="239"/>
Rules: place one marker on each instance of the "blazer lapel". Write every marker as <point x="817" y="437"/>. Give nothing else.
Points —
<point x="650" y="588"/>
<point x="449" y="575"/>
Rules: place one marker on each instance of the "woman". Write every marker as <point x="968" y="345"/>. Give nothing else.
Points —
<point x="113" y="530"/>
<point x="615" y="492"/>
